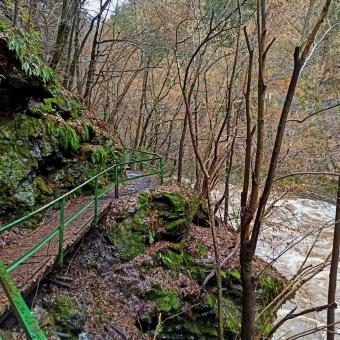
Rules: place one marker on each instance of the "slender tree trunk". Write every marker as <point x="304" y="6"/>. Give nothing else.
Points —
<point x="62" y="35"/>
<point x="181" y="151"/>
<point x="138" y="141"/>
<point x="229" y="164"/>
<point x="16" y="11"/>
<point x="70" y="46"/>
<point x="92" y="66"/>
<point x="248" y="291"/>
<point x="333" y="274"/>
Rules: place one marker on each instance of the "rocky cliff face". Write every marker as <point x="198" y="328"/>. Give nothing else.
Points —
<point x="47" y="143"/>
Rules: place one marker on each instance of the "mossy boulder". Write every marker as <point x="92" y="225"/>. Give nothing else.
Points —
<point x="190" y="314"/>
<point x="159" y="214"/>
<point x="68" y="314"/>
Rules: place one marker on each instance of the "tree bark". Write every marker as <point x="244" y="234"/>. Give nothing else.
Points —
<point x="181" y="151"/>
<point x="248" y="292"/>
<point x="16" y="12"/>
<point x="333" y="274"/>
<point x="62" y="35"/>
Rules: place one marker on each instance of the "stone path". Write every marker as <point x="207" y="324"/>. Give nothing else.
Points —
<point x="30" y="273"/>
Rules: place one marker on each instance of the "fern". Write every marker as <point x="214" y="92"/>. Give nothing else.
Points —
<point x="99" y="155"/>
<point x="87" y="131"/>
<point x="51" y="127"/>
<point x="27" y="48"/>
<point x="68" y="138"/>
<point x="166" y="260"/>
<point x="85" y="134"/>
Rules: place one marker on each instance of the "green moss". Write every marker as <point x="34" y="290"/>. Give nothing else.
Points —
<point x="269" y="287"/>
<point x="202" y="250"/>
<point x="129" y="241"/>
<point x="143" y="200"/>
<point x="40" y="183"/>
<point x="88" y="131"/>
<point x="17" y="161"/>
<point x="3" y="26"/>
<point x="167" y="301"/>
<point x="68" y="314"/>
<point x="95" y="153"/>
<point x="202" y="323"/>
<point x="175" y="210"/>
<point x="177" y="260"/>
<point x="176" y="200"/>
<point x="66" y="106"/>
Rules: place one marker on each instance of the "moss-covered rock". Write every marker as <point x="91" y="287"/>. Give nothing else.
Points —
<point x="69" y="316"/>
<point x="42" y="132"/>
<point x="167" y="301"/>
<point x="158" y="215"/>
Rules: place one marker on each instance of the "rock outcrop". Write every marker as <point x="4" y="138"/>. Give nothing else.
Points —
<point x="48" y="144"/>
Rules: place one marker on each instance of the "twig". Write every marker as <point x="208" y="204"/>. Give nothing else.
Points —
<point x="336" y="174"/>
<point x="213" y="272"/>
<point x="119" y="330"/>
<point x="56" y="282"/>
<point x="313" y="114"/>
<point x="159" y="326"/>
<point x="291" y="315"/>
<point x="74" y="255"/>
<point x="181" y="312"/>
<point x="311" y="331"/>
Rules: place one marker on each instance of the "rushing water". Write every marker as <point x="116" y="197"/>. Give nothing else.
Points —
<point x="302" y="222"/>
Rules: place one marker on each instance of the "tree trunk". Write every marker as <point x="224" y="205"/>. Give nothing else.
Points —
<point x="181" y="151"/>
<point x="333" y="274"/>
<point x="16" y="12"/>
<point x="62" y="35"/>
<point x="248" y="292"/>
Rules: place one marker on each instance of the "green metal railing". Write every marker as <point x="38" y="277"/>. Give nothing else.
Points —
<point x="147" y="161"/>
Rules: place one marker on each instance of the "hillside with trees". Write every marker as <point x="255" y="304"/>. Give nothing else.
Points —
<point x="240" y="101"/>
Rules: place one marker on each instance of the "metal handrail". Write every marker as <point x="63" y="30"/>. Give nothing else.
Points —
<point x="5" y="270"/>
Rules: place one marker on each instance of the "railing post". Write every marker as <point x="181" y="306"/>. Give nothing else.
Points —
<point x="96" y="202"/>
<point x="29" y="323"/>
<point x="161" y="170"/>
<point x="116" y="182"/>
<point x="61" y="231"/>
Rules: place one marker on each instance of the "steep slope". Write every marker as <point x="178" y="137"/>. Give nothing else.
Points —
<point x="48" y="144"/>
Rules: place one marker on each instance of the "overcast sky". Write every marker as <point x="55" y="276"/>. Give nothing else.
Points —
<point x="93" y="5"/>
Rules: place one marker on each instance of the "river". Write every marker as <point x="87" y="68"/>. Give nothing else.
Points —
<point x="298" y="221"/>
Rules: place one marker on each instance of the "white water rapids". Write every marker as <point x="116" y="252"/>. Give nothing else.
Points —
<point x="298" y="222"/>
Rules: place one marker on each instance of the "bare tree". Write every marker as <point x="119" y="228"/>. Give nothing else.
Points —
<point x="257" y="206"/>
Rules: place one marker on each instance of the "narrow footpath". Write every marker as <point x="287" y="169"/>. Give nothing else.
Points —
<point x="16" y="242"/>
